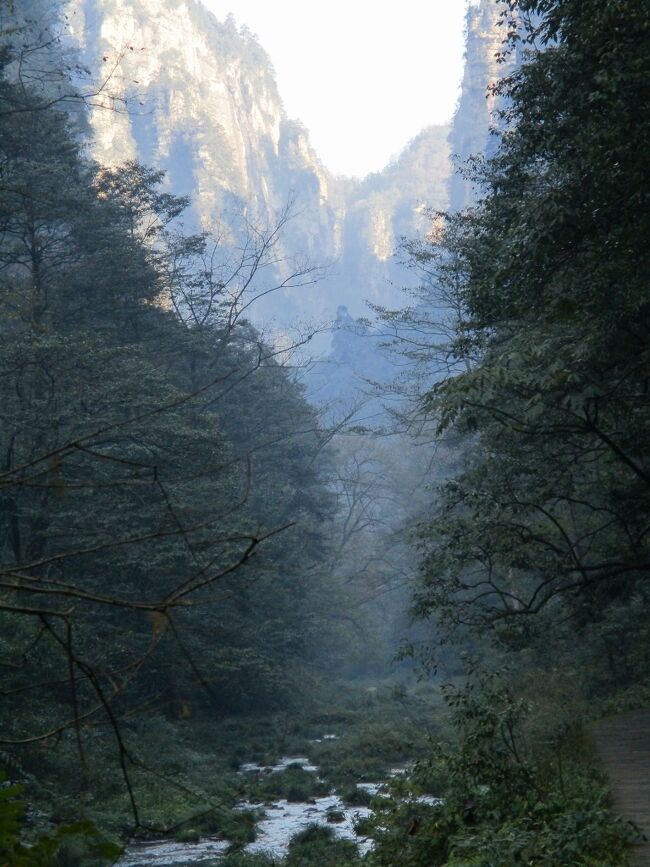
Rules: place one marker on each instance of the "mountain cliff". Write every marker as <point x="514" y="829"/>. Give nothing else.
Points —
<point x="485" y="64"/>
<point x="203" y="104"/>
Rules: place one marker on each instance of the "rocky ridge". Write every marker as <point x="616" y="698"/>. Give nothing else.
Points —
<point x="204" y="106"/>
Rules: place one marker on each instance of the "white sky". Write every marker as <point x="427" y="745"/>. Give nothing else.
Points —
<point x="364" y="76"/>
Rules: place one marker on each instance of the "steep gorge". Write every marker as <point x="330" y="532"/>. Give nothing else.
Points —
<point x="204" y="106"/>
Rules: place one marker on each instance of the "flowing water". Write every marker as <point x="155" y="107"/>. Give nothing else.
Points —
<point x="280" y="822"/>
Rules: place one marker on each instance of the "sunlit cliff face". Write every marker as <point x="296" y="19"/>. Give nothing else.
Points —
<point x="202" y="104"/>
<point x="202" y="99"/>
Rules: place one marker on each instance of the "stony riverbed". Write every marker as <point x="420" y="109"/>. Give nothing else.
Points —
<point x="281" y="820"/>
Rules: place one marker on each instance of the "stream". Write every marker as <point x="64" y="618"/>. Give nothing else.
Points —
<point x="281" y="820"/>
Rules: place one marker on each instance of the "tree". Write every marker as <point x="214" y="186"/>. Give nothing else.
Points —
<point x="45" y="72"/>
<point x="546" y="524"/>
<point x="145" y="459"/>
<point x="507" y="799"/>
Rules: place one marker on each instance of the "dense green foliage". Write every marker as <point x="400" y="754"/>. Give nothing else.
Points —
<point x="163" y="491"/>
<point x="512" y="794"/>
<point x="529" y="335"/>
<point x="545" y="526"/>
<point x="68" y="842"/>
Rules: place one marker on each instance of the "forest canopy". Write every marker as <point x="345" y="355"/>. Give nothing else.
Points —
<point x="544" y="530"/>
<point x="152" y="442"/>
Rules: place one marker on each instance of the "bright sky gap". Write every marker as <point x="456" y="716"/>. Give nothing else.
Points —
<point x="364" y="77"/>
